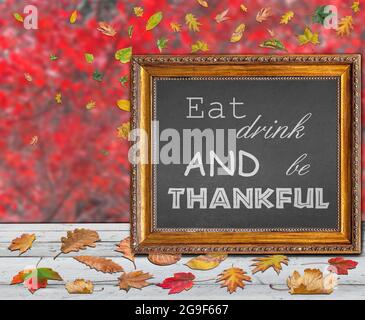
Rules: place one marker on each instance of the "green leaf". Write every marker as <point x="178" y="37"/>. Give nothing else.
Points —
<point x="162" y="44"/>
<point x="48" y="273"/>
<point x="319" y="15"/>
<point x="18" y="17"/>
<point x="154" y="20"/>
<point x="124" y="55"/>
<point x="130" y="31"/>
<point x="89" y="57"/>
<point x="53" y="57"/>
<point x="123" y="80"/>
<point x="273" y="44"/>
<point x="98" y="76"/>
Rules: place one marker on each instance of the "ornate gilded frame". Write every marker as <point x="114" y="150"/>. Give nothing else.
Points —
<point x="346" y="240"/>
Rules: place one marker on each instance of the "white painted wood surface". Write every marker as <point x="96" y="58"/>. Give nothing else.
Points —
<point x="47" y="245"/>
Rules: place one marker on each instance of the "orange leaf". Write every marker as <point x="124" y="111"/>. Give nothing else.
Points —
<point x="124" y="247"/>
<point x="274" y="261"/>
<point x="134" y="279"/>
<point x="79" y="286"/>
<point x="100" y="264"/>
<point x="161" y="259"/>
<point x="79" y="239"/>
<point x="22" y="243"/>
<point x="233" y="278"/>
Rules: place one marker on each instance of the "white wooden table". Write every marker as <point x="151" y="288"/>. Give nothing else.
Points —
<point x="47" y="246"/>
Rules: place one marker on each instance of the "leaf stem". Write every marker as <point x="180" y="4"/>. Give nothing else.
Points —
<point x="38" y="262"/>
<point x="57" y="255"/>
<point x="309" y="263"/>
<point x="205" y="280"/>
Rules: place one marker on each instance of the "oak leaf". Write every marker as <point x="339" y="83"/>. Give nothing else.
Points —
<point x="341" y="266"/>
<point x="80" y="286"/>
<point x="308" y="37"/>
<point x="207" y="261"/>
<point x="107" y="29"/>
<point x="233" y="278"/>
<point x="286" y="17"/>
<point x="192" y="22"/>
<point x="162" y="259"/>
<point x="134" y="279"/>
<point x="79" y="239"/>
<point x="274" y="261"/>
<point x="263" y="14"/>
<point x="154" y="20"/>
<point x="221" y="17"/>
<point x="345" y="26"/>
<point x="124" y="247"/>
<point x="24" y="242"/>
<point x="179" y="282"/>
<point x="238" y="33"/>
<point x="100" y="264"/>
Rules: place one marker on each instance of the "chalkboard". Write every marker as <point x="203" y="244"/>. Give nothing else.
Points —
<point x="303" y="111"/>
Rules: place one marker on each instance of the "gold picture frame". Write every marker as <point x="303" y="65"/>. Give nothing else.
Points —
<point x="347" y="240"/>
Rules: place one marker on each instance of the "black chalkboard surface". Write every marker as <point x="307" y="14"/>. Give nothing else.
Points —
<point x="287" y="128"/>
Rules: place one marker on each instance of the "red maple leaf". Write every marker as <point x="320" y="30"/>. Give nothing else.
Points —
<point x="340" y="265"/>
<point x="179" y="282"/>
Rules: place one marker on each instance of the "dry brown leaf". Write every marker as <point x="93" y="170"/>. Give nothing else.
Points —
<point x="263" y="14"/>
<point x="107" y="29"/>
<point x="274" y="261"/>
<point x="80" y="286"/>
<point x="22" y="243"/>
<point x="233" y="278"/>
<point x="79" y="239"/>
<point x="312" y="282"/>
<point x="134" y="279"/>
<point x="162" y="259"/>
<point x="124" y="247"/>
<point x="207" y="261"/>
<point x="100" y="264"/>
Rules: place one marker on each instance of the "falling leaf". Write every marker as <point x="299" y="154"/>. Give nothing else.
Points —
<point x="345" y="26"/>
<point x="107" y="29"/>
<point x="154" y="20"/>
<point x="35" y="279"/>
<point x="163" y="259"/>
<point x="273" y="44"/>
<point x="341" y="266"/>
<point x="308" y="37"/>
<point x="274" y="261"/>
<point x="123" y="80"/>
<point x="222" y="16"/>
<point x="179" y="282"/>
<point x="18" y="17"/>
<point x="130" y="31"/>
<point x="192" y="22"/>
<point x="58" y="98"/>
<point x="243" y="8"/>
<point x="100" y="264"/>
<point x="123" y="130"/>
<point x="89" y="57"/>
<point x="28" y="77"/>
<point x="124" y="105"/>
<point x="320" y="15"/>
<point x="53" y="57"/>
<point x="124" y="55"/>
<point x="199" y="46"/>
<point x="22" y="243"/>
<point x="312" y="282"/>
<point x="134" y="279"/>
<point x="162" y="44"/>
<point x="206" y="262"/>
<point x="233" y="278"/>
<point x="263" y="14"/>
<point x="238" y="33"/>
<point x="90" y="105"/>
<point x="176" y="27"/>
<point x="79" y="239"/>
<point x="203" y="3"/>
<point x="124" y="247"/>
<point x="355" y="6"/>
<point x="271" y="32"/>
<point x="98" y="76"/>
<point x="286" y="17"/>
<point x="79" y="286"/>
<point x="33" y="141"/>
<point x="138" y="11"/>
<point x="73" y="17"/>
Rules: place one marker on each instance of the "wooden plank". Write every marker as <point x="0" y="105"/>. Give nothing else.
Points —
<point x="21" y="227"/>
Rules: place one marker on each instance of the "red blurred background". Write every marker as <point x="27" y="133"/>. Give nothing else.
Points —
<point x="64" y="162"/>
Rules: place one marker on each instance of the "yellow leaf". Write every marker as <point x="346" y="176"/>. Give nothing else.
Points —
<point x="206" y="262"/>
<point x="107" y="29"/>
<point x="90" y="105"/>
<point x="264" y="263"/>
<point x="308" y="37"/>
<point x="124" y="105"/>
<point x="192" y="22"/>
<point x="356" y="6"/>
<point x="123" y="130"/>
<point x="176" y="27"/>
<point x="345" y="26"/>
<point x="58" y="98"/>
<point x="233" y="278"/>
<point x="73" y="17"/>
<point x="79" y="286"/>
<point x="134" y="279"/>
<point x="243" y="8"/>
<point x="138" y="11"/>
<point x="22" y="243"/>
<point x="18" y="17"/>
<point x="286" y="17"/>
<point x="203" y="3"/>
<point x="238" y="33"/>
<point x="199" y="46"/>
<point x="263" y="14"/>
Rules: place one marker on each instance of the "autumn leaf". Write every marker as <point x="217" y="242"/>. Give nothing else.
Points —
<point x="273" y="44"/>
<point x="73" y="17"/>
<point x="274" y="261"/>
<point x="154" y="20"/>
<point x="355" y="6"/>
<point x="123" y="80"/>
<point x="36" y="278"/>
<point x="162" y="44"/>
<point x="203" y="3"/>
<point x="221" y="17"/>
<point x="89" y="57"/>
<point x="130" y="31"/>
<point x="238" y="33"/>
<point x="179" y="282"/>
<point x="79" y="286"/>
<point x="192" y="22"/>
<point x="58" y="98"/>
<point x="79" y="239"/>
<point x="28" y="77"/>
<point x="53" y="57"/>
<point x="243" y="8"/>
<point x="22" y="243"/>
<point x="124" y="55"/>
<point x="320" y="15"/>
<point x="33" y="141"/>
<point x="263" y="14"/>
<point x="286" y="17"/>
<point x="98" y="76"/>
<point x="341" y="266"/>
<point x="90" y="105"/>
<point x="163" y="259"/>
<point x="206" y="262"/>
<point x="134" y="279"/>
<point x="123" y="130"/>
<point x="233" y="278"/>
<point x="345" y="26"/>
<point x="312" y="282"/>
<point x="199" y="46"/>
<point x="100" y="264"/>
<point x="124" y="247"/>
<point x="18" y="17"/>
<point x="107" y="29"/>
<point x="138" y="11"/>
<point x="176" y="27"/>
<point x="308" y="37"/>
<point x="124" y="105"/>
